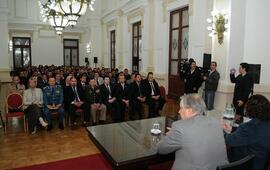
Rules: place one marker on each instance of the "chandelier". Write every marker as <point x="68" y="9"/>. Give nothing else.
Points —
<point x="73" y="9"/>
<point x="62" y="13"/>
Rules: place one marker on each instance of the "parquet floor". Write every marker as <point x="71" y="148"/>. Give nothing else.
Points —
<point x="18" y="148"/>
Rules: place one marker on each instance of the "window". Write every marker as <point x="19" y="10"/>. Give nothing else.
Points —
<point x="179" y="29"/>
<point x="136" y="46"/>
<point x="178" y="49"/>
<point x="21" y="52"/>
<point x="112" y="42"/>
<point x="71" y="52"/>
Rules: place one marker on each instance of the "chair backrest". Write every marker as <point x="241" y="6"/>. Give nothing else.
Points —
<point x="14" y="100"/>
<point x="162" y="91"/>
<point x="245" y="163"/>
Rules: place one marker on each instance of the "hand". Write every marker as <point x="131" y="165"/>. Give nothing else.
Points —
<point x="204" y="77"/>
<point x="98" y="105"/>
<point x="232" y="71"/>
<point x="57" y="106"/>
<point x="194" y="88"/>
<point x="110" y="100"/>
<point x="227" y="127"/>
<point x="78" y="104"/>
<point x="240" y="103"/>
<point x="50" y="107"/>
<point x="142" y="99"/>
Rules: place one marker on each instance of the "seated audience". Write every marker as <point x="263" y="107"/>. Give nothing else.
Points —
<point x="137" y="97"/>
<point x="15" y="86"/>
<point x="153" y="98"/>
<point x="121" y="94"/>
<point x="93" y="97"/>
<point x="252" y="137"/>
<point x="43" y="81"/>
<point x="76" y="99"/>
<point x="132" y="79"/>
<point x="109" y="99"/>
<point x="53" y="102"/>
<point x="83" y="81"/>
<point x="32" y="104"/>
<point x="197" y="140"/>
<point x="98" y="79"/>
<point x="126" y="74"/>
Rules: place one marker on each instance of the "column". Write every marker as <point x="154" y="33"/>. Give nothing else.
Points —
<point x="4" y="55"/>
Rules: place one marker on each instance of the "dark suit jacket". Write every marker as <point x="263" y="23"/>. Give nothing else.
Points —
<point x="252" y="137"/>
<point x="243" y="87"/>
<point x="70" y="95"/>
<point x="211" y="83"/>
<point x="93" y="95"/>
<point x="192" y="81"/>
<point x="148" y="90"/>
<point x="105" y="93"/>
<point x="121" y="93"/>
<point x="134" y="91"/>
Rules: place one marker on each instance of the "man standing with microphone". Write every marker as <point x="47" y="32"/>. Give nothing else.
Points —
<point x="242" y="89"/>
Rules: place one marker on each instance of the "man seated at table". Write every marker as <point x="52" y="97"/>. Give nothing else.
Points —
<point x="137" y="97"/>
<point x="121" y="94"/>
<point x="53" y="102"/>
<point x="93" y="97"/>
<point x="76" y="100"/>
<point x="197" y="140"/>
<point x="153" y="98"/>
<point x="109" y="99"/>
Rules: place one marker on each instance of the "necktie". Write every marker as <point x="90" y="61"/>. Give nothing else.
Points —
<point x="52" y="90"/>
<point x="139" y="87"/>
<point x="76" y="94"/>
<point x="108" y="88"/>
<point x="153" y="88"/>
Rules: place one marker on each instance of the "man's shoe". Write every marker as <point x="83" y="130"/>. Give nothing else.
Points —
<point x="61" y="126"/>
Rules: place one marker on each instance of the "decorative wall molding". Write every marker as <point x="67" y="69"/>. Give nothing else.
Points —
<point x="71" y="35"/>
<point x="21" y="33"/>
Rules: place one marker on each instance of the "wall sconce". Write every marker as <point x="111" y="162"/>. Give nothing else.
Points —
<point x="218" y="25"/>
<point x="89" y="49"/>
<point x="10" y="45"/>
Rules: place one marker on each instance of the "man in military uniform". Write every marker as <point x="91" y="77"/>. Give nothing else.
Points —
<point x="53" y="102"/>
<point x="93" y="97"/>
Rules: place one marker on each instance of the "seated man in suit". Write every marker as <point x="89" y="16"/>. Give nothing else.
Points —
<point x="109" y="99"/>
<point x="93" y="97"/>
<point x="15" y="86"/>
<point x="153" y="98"/>
<point x="197" y="140"/>
<point x="53" y="101"/>
<point x="137" y="96"/>
<point x="121" y="94"/>
<point x="76" y="99"/>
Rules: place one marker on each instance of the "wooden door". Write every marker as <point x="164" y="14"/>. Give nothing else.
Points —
<point x="178" y="49"/>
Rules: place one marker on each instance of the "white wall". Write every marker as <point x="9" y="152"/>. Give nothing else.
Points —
<point x="257" y="36"/>
<point x="47" y="47"/>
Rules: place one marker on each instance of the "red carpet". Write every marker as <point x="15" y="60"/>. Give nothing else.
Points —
<point x="91" y="162"/>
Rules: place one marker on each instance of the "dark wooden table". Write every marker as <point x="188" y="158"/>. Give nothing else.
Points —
<point x="130" y="145"/>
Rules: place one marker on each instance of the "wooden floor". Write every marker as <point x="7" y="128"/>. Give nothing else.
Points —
<point x="18" y="148"/>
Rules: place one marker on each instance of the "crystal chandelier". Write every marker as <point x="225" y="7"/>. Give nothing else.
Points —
<point x="73" y="9"/>
<point x="62" y="13"/>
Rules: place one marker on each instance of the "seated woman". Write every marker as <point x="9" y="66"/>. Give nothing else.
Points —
<point x="252" y="137"/>
<point x="33" y="102"/>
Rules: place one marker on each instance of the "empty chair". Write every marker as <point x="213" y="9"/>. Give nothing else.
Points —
<point x="242" y="164"/>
